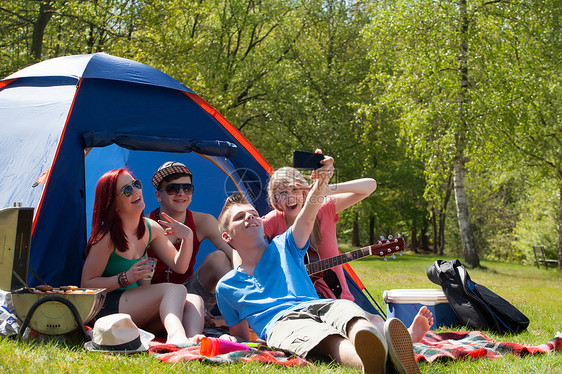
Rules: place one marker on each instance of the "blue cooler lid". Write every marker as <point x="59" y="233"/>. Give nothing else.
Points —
<point x="424" y="296"/>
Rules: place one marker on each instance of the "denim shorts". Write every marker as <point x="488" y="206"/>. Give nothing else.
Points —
<point x="110" y="305"/>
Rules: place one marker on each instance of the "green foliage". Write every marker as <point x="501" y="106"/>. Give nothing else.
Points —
<point x="519" y="90"/>
<point x="537" y="223"/>
<point x="514" y="211"/>
<point x="494" y="215"/>
<point x="512" y="107"/>
<point x="412" y="49"/>
<point x="374" y="85"/>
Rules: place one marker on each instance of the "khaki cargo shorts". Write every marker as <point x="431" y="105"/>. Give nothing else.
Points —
<point x="298" y="332"/>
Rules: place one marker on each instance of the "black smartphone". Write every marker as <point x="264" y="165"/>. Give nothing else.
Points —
<point x="307" y="160"/>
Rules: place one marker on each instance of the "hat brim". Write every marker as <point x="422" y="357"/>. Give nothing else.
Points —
<point x="145" y="337"/>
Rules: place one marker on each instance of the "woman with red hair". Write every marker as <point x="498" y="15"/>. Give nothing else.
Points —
<point x="116" y="260"/>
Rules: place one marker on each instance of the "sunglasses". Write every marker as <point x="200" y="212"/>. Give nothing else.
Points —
<point x="128" y="190"/>
<point x="174" y="188"/>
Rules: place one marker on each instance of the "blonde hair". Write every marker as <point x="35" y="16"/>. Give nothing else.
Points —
<point x="285" y="176"/>
<point x="234" y="199"/>
<point x="288" y="177"/>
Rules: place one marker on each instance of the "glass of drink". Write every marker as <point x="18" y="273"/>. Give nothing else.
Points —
<point x="152" y="263"/>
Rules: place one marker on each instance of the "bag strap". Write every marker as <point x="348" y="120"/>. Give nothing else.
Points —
<point x="433" y="272"/>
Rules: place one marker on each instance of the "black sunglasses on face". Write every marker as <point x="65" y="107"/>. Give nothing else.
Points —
<point x="128" y="190"/>
<point x="174" y="188"/>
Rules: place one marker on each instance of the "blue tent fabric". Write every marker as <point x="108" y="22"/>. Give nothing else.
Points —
<point x="100" y="66"/>
<point x="51" y="107"/>
<point x="360" y="298"/>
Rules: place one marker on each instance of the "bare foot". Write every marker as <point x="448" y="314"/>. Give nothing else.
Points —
<point x="197" y="338"/>
<point x="179" y="340"/>
<point x="422" y="323"/>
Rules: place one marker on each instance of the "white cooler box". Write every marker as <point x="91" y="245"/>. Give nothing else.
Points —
<point x="404" y="304"/>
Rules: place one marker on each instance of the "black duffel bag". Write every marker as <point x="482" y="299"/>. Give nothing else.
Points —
<point x="475" y="305"/>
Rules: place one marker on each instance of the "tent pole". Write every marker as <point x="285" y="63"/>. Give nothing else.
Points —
<point x="375" y="302"/>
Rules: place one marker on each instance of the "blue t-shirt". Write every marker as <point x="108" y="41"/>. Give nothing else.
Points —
<point x="280" y="284"/>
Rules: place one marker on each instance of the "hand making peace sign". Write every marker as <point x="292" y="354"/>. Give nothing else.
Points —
<point x="175" y="228"/>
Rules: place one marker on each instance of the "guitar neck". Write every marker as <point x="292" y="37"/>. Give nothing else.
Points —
<point x="322" y="265"/>
<point x="382" y="248"/>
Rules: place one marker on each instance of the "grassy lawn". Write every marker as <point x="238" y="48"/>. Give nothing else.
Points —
<point x="536" y="292"/>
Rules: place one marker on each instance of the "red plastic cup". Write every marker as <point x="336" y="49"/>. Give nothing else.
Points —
<point x="213" y="346"/>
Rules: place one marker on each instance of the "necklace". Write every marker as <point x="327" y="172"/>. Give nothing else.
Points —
<point x="169" y="271"/>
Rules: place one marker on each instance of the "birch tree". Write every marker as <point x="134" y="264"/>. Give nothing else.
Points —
<point x="421" y="60"/>
<point x="476" y="83"/>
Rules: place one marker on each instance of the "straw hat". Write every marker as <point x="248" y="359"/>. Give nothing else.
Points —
<point x="117" y="333"/>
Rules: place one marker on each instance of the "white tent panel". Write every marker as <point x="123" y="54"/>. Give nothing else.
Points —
<point x="28" y="114"/>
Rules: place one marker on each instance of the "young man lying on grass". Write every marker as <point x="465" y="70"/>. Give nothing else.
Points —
<point x="272" y="293"/>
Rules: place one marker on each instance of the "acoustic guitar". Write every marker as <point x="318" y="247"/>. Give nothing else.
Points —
<point x="316" y="267"/>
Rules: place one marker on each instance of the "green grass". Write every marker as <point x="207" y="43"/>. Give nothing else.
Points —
<point x="536" y="292"/>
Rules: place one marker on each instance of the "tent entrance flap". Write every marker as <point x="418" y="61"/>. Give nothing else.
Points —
<point x="160" y="143"/>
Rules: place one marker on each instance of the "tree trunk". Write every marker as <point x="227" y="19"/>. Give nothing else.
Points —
<point x="424" y="241"/>
<point x="441" y="237"/>
<point x="39" y="27"/>
<point x="435" y="230"/>
<point x="443" y="215"/>
<point x="470" y="255"/>
<point x="560" y="225"/>
<point x="355" y="231"/>
<point x="414" y="239"/>
<point x="371" y="230"/>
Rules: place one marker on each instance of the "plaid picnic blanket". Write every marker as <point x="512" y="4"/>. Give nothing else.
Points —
<point x="171" y="353"/>
<point x="474" y="344"/>
<point x="257" y="353"/>
<point x="445" y="345"/>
